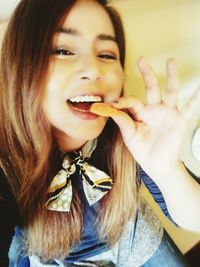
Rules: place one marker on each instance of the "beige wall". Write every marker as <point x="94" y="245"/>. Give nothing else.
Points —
<point x="158" y="29"/>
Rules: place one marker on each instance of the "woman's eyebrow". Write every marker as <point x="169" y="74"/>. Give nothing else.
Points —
<point x="69" y="31"/>
<point x="73" y="32"/>
<point x="106" y="37"/>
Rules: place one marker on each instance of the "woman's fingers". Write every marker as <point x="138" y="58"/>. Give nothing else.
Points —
<point x="192" y="106"/>
<point x="132" y="103"/>
<point x="123" y="120"/>
<point x="153" y="94"/>
<point x="126" y="125"/>
<point x="171" y="93"/>
<point x="129" y="103"/>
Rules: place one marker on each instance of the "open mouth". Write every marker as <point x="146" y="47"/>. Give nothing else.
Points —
<point x="83" y="103"/>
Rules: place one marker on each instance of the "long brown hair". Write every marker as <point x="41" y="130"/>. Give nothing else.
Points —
<point x="29" y="155"/>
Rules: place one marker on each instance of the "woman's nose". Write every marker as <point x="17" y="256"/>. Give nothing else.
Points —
<point x="90" y="69"/>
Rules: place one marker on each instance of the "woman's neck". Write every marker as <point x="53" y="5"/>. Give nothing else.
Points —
<point x="66" y="143"/>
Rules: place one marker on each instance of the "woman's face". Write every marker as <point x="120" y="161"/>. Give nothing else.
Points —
<point x="84" y="67"/>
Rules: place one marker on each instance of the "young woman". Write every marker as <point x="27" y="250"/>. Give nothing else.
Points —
<point x="70" y="174"/>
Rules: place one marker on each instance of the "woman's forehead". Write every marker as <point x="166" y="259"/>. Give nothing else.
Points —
<point x="88" y="16"/>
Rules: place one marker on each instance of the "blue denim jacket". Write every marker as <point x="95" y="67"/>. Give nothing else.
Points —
<point x="90" y="244"/>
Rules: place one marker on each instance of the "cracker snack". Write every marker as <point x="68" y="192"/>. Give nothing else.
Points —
<point x="103" y="109"/>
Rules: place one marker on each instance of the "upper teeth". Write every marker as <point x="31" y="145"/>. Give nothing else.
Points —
<point x="86" y="98"/>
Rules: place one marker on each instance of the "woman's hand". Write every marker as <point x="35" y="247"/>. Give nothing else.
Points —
<point x="155" y="130"/>
<point x="154" y="134"/>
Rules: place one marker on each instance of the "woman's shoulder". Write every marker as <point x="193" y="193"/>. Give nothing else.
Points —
<point x="9" y="215"/>
<point x="8" y="202"/>
<point x="5" y="190"/>
<point x="9" y="210"/>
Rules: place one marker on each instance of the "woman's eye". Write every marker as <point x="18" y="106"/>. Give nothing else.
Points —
<point x="63" y="52"/>
<point x="108" y="56"/>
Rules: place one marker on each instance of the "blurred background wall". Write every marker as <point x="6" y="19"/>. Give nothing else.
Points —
<point x="158" y="29"/>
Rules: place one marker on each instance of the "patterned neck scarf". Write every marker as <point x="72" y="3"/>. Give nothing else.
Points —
<point x="96" y="183"/>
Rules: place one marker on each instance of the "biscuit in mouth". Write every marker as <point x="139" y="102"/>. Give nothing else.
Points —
<point x="103" y="109"/>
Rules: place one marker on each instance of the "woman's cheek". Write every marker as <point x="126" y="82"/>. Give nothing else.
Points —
<point x="118" y="79"/>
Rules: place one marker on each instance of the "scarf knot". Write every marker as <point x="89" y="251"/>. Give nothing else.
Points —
<point x="96" y="183"/>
